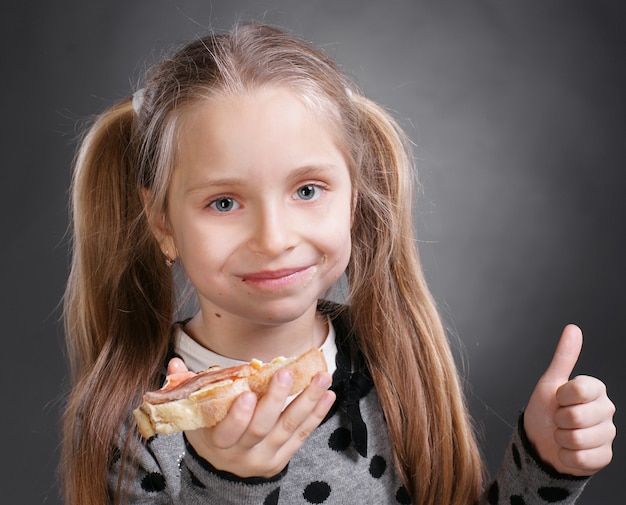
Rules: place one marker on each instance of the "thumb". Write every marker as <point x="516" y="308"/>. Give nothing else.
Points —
<point x="565" y="356"/>
<point x="176" y="365"/>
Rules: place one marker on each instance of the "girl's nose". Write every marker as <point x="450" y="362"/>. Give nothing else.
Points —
<point x="272" y="232"/>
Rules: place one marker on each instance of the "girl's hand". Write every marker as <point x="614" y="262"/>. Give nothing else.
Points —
<point x="570" y="422"/>
<point x="258" y="438"/>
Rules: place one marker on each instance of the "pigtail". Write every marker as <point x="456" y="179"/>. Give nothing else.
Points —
<point x="117" y="306"/>
<point x="399" y="328"/>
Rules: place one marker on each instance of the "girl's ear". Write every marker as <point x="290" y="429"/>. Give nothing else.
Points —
<point x="160" y="229"/>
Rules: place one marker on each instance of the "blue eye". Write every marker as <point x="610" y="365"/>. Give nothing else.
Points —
<point x="307" y="192"/>
<point x="224" y="204"/>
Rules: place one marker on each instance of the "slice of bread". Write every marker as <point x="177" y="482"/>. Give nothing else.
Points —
<point x="208" y="406"/>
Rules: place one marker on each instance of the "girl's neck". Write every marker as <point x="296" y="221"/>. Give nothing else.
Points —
<point x="241" y="340"/>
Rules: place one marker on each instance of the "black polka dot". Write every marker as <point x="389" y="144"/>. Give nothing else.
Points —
<point x="494" y="493"/>
<point x="402" y="496"/>
<point x="516" y="457"/>
<point x="316" y="492"/>
<point x="340" y="439"/>
<point x="553" y="494"/>
<point x="153" y="482"/>
<point x="272" y="498"/>
<point x="195" y="481"/>
<point x="378" y="465"/>
<point x="517" y="500"/>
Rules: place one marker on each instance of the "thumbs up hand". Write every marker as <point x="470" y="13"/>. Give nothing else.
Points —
<point x="570" y="422"/>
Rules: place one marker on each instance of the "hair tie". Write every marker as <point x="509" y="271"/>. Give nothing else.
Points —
<point x="348" y="92"/>
<point x="138" y="99"/>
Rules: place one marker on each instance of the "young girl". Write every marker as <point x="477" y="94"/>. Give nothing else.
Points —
<point x="253" y="163"/>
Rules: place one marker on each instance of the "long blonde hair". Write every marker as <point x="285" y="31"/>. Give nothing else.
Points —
<point x="120" y="295"/>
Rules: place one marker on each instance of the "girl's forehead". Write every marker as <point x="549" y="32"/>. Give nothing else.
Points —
<point x="263" y="130"/>
<point x="258" y="113"/>
<point x="320" y="107"/>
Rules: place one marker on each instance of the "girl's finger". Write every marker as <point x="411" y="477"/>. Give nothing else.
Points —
<point x="322" y="407"/>
<point x="268" y="410"/>
<point x="301" y="416"/>
<point x="581" y="389"/>
<point x="304" y="430"/>
<point x="583" y="463"/>
<point x="176" y="365"/>
<point x="585" y="439"/>
<point x="584" y="415"/>
<point x="230" y="430"/>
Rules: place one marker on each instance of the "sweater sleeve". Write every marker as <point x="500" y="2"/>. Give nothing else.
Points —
<point x="524" y="479"/>
<point x="166" y="471"/>
<point x="202" y="483"/>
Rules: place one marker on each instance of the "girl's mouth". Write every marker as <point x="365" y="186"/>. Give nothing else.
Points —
<point x="279" y="278"/>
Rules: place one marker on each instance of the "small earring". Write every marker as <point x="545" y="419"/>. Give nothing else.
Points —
<point x="169" y="261"/>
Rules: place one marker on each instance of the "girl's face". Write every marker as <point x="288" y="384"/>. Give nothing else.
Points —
<point x="259" y="207"/>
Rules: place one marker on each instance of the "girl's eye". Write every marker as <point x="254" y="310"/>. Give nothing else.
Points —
<point x="224" y="204"/>
<point x="308" y="192"/>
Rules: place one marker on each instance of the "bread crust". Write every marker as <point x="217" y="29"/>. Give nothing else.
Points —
<point x="207" y="407"/>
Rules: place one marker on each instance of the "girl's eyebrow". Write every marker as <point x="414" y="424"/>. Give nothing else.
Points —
<point x="314" y="169"/>
<point x="204" y="184"/>
<point x="310" y="170"/>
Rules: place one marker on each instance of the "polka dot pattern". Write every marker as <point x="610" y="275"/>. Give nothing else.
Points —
<point x="340" y="439"/>
<point x="516" y="457"/>
<point x="272" y="498"/>
<point x="153" y="482"/>
<point x="553" y="494"/>
<point x="402" y="496"/>
<point x="331" y="470"/>
<point x="317" y="492"/>
<point x="378" y="465"/>
<point x="493" y="496"/>
<point x="525" y="479"/>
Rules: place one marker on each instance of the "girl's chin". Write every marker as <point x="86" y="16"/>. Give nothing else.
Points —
<point x="277" y="314"/>
<point x="259" y="311"/>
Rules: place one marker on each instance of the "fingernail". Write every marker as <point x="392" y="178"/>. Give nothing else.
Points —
<point x="247" y="400"/>
<point x="328" y="399"/>
<point x="284" y="377"/>
<point x="323" y="380"/>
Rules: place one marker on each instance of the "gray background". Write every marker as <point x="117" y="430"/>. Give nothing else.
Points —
<point x="518" y="113"/>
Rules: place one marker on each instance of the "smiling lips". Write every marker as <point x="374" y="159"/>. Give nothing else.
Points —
<point x="279" y="278"/>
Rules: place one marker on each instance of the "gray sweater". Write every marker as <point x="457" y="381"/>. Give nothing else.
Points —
<point x="347" y="459"/>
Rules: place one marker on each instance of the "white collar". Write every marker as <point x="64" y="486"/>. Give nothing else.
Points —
<point x="198" y="357"/>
